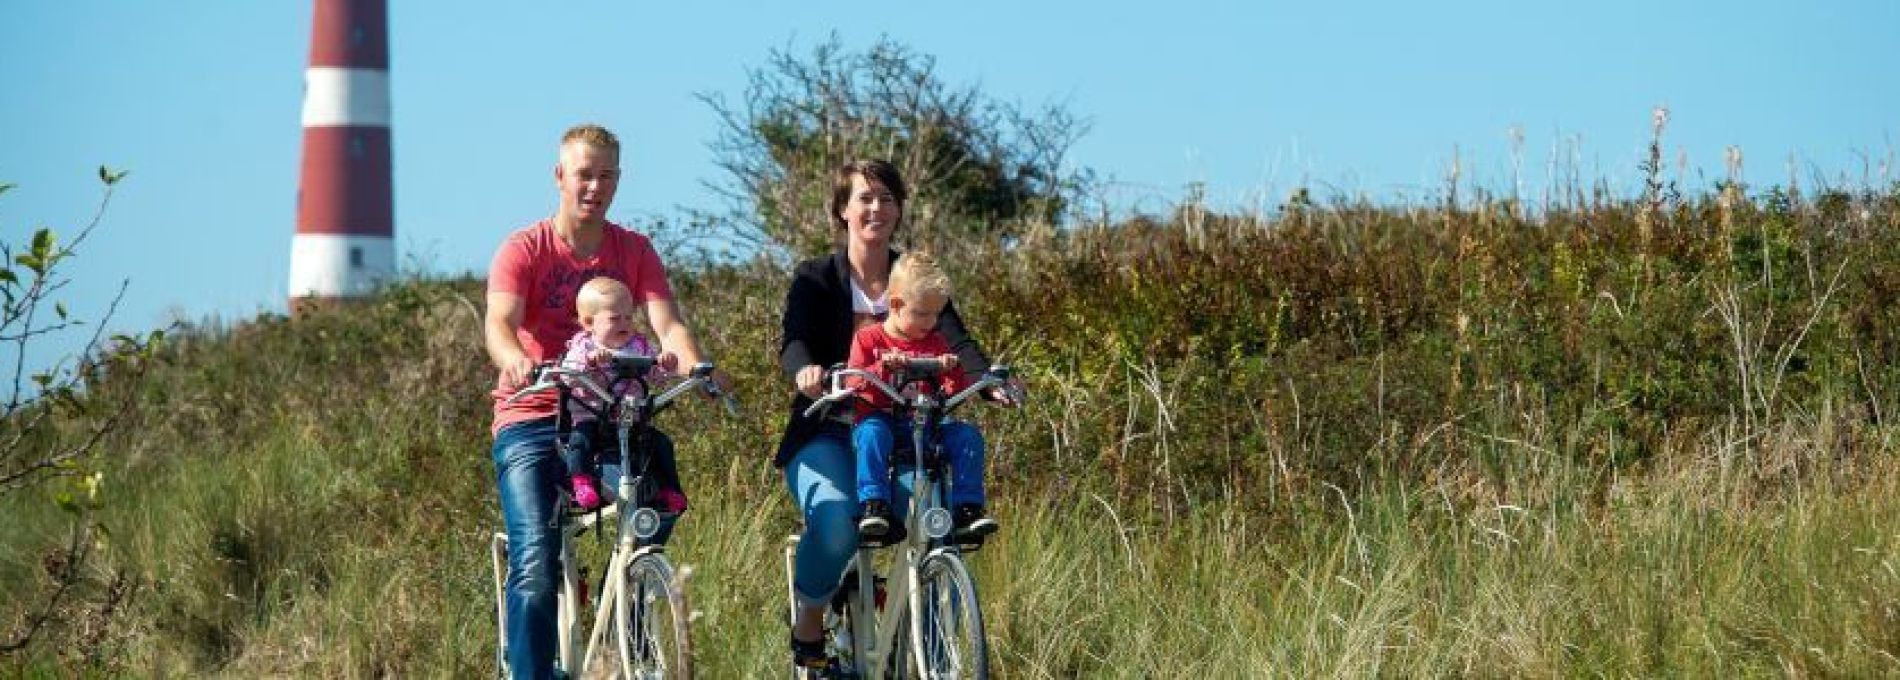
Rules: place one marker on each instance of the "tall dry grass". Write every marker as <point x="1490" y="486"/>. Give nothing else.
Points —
<point x="1638" y="438"/>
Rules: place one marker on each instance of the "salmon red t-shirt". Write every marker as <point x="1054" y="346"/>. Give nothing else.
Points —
<point x="872" y="340"/>
<point x="537" y="265"/>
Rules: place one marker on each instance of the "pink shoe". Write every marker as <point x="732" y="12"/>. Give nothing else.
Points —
<point x="584" y="493"/>
<point x="670" y="500"/>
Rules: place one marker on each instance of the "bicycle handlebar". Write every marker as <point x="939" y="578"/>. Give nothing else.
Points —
<point x="700" y="377"/>
<point x="998" y="375"/>
<point x="551" y="376"/>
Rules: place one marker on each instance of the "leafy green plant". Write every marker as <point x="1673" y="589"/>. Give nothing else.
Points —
<point x="53" y="428"/>
<point x="976" y="166"/>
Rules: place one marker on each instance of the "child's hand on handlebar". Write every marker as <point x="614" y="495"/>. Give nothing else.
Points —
<point x="668" y="362"/>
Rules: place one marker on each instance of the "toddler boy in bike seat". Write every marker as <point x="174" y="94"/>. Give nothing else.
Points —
<point x="606" y="314"/>
<point x="919" y="289"/>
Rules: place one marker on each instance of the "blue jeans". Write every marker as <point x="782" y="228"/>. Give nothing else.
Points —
<point x="530" y="475"/>
<point x="822" y="478"/>
<point x="876" y="437"/>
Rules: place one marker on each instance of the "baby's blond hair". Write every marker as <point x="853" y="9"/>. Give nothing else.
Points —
<point x="598" y="293"/>
<point x="916" y="275"/>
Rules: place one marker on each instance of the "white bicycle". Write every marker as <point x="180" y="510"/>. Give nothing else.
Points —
<point x="641" y="622"/>
<point x="931" y="625"/>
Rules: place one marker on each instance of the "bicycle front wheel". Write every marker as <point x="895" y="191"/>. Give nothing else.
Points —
<point x="650" y="622"/>
<point x="947" y="628"/>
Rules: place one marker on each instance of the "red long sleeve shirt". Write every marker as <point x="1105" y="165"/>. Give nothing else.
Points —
<point x="871" y="341"/>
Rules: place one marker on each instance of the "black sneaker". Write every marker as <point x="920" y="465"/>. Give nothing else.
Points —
<point x="972" y="523"/>
<point x="874" y="520"/>
<point x="809" y="655"/>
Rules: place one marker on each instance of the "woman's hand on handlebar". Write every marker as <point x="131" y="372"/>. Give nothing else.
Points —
<point x="810" y="380"/>
<point x="1006" y="393"/>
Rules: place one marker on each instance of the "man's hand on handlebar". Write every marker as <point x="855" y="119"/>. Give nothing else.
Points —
<point x="720" y="381"/>
<point x="518" y="373"/>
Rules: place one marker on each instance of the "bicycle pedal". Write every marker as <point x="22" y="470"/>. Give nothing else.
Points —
<point x="832" y="670"/>
<point x="970" y="543"/>
<point x="892" y="536"/>
<point x="829" y="672"/>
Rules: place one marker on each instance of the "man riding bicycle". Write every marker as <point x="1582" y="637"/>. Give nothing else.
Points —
<point x="532" y="285"/>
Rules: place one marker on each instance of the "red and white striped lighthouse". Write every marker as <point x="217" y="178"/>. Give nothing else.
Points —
<point x="345" y="211"/>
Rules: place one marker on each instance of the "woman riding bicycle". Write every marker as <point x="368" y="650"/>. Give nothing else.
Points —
<point x="830" y="298"/>
<point x="531" y="313"/>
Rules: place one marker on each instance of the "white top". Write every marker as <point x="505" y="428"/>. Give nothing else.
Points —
<point x="862" y="303"/>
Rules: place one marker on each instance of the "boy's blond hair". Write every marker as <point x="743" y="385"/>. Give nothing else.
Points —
<point x="598" y="293"/>
<point x="591" y="135"/>
<point x="916" y="275"/>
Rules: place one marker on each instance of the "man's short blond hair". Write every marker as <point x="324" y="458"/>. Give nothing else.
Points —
<point x="598" y="293"/>
<point x="591" y="135"/>
<point x="917" y="275"/>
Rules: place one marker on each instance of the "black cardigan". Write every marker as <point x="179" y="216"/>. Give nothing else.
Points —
<point x="817" y="329"/>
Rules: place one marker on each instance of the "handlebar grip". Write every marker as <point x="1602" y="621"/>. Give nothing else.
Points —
<point x="923" y="367"/>
<point x="630" y="365"/>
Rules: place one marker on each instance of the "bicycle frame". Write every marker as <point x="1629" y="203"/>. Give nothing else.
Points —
<point x="928" y="523"/>
<point x="875" y="647"/>
<point x="631" y="530"/>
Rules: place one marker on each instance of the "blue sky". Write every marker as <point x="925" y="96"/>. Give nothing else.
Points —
<point x="201" y="100"/>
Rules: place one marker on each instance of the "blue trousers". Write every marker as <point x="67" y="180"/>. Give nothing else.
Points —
<point x="822" y="477"/>
<point x="877" y="436"/>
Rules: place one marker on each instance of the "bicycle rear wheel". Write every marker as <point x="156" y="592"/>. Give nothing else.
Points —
<point x="947" y="626"/>
<point x="649" y="633"/>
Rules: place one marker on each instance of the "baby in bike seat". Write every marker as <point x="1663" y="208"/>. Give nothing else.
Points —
<point x="606" y="310"/>
<point x="918" y="292"/>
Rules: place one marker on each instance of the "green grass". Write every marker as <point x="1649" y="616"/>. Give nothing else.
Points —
<point x="1349" y="441"/>
<point x="309" y="564"/>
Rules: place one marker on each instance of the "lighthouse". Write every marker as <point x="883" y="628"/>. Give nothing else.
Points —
<point x="344" y="244"/>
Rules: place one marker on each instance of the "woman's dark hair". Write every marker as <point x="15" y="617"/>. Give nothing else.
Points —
<point x="879" y="170"/>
